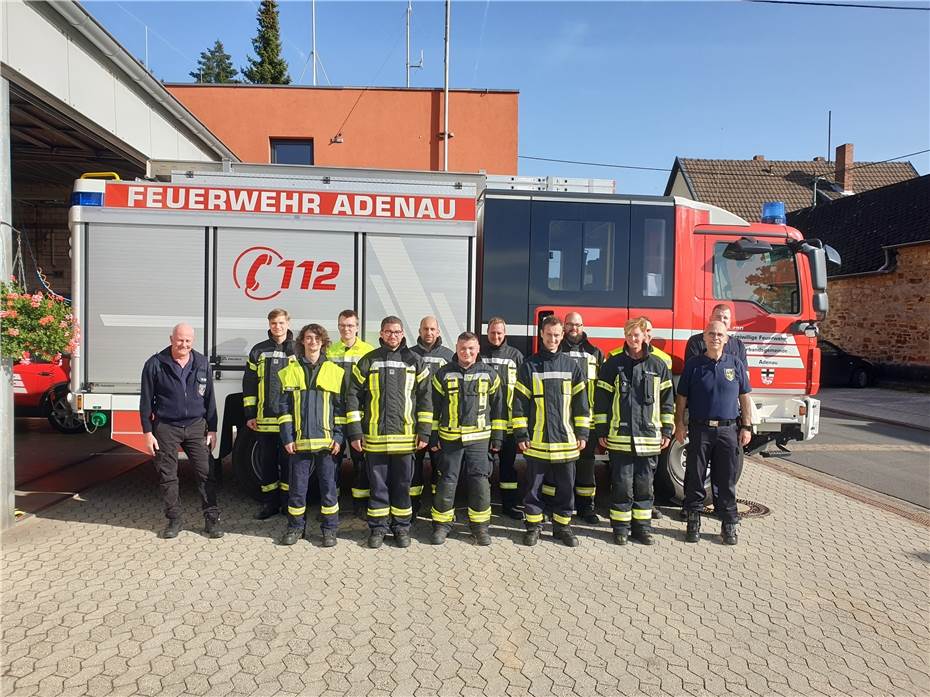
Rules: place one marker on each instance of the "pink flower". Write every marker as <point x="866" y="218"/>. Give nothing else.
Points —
<point x="46" y="320"/>
<point x="26" y="359"/>
<point x="11" y="314"/>
<point x="13" y="331"/>
<point x="57" y="359"/>
<point x="63" y="324"/>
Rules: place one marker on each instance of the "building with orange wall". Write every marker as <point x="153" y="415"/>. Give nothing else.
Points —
<point x="389" y="128"/>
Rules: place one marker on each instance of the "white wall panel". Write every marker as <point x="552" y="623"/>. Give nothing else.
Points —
<point x="90" y="88"/>
<point x="37" y="49"/>
<point x="132" y="119"/>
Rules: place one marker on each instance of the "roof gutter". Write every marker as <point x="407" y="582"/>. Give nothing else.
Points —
<point x="891" y="260"/>
<point x="81" y="20"/>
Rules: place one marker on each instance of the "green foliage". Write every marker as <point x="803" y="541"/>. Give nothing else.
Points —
<point x="269" y="68"/>
<point x="35" y="325"/>
<point x="214" y="66"/>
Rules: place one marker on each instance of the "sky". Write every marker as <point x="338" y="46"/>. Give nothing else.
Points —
<point x="607" y="83"/>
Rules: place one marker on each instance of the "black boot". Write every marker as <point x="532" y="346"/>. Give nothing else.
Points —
<point x="729" y="533"/>
<point x="212" y="527"/>
<point x="291" y="536"/>
<point x="375" y="538"/>
<point x="531" y="536"/>
<point x="481" y="533"/>
<point x="643" y="536"/>
<point x="268" y="509"/>
<point x="402" y="537"/>
<point x="621" y="536"/>
<point x="329" y="537"/>
<point x="172" y="529"/>
<point x="440" y="532"/>
<point x="565" y="534"/>
<point x="693" y="533"/>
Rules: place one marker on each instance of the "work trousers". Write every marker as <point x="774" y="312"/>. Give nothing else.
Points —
<point x="631" y="490"/>
<point x="562" y="476"/>
<point x="716" y="447"/>
<point x="507" y="472"/>
<point x="389" y="478"/>
<point x="453" y="461"/>
<point x="417" y="481"/>
<point x="303" y="465"/>
<point x="193" y="441"/>
<point x="272" y="466"/>
<point x="584" y="483"/>
<point x="359" y="477"/>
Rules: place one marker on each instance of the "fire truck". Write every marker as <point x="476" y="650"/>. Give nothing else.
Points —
<point x="218" y="245"/>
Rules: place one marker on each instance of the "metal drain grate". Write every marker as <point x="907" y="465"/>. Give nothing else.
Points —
<point x="745" y="508"/>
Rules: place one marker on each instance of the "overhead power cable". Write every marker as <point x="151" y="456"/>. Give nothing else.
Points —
<point x="854" y="5"/>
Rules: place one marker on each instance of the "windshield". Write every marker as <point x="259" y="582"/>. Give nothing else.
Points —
<point x="769" y="280"/>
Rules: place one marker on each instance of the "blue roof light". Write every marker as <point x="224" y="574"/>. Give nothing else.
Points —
<point x="773" y="212"/>
<point x="86" y="198"/>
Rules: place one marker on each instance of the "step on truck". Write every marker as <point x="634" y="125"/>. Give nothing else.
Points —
<point x="218" y="245"/>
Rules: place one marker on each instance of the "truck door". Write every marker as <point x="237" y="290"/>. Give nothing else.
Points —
<point x="765" y="294"/>
<point x="580" y="261"/>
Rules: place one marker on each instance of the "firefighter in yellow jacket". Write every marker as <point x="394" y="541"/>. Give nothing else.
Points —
<point x="634" y="418"/>
<point x="551" y="419"/>
<point x="389" y="415"/>
<point x="261" y="394"/>
<point x="312" y="419"/>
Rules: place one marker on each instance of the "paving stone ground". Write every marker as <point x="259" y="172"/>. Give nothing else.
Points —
<point x="824" y="596"/>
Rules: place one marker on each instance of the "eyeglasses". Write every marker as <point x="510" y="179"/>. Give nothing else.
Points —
<point x="392" y="332"/>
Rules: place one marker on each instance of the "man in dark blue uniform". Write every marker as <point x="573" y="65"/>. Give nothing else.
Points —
<point x="714" y="387"/>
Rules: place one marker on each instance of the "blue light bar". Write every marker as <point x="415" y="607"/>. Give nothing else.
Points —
<point x="773" y="212"/>
<point x="86" y="198"/>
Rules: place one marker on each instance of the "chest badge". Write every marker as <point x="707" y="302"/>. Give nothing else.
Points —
<point x="729" y="374"/>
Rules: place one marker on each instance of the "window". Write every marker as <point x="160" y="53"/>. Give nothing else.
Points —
<point x="652" y="256"/>
<point x="292" y="152"/>
<point x="655" y="255"/>
<point x="581" y="256"/>
<point x="769" y="280"/>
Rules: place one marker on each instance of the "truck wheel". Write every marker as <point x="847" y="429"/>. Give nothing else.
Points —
<point x="245" y="463"/>
<point x="60" y="414"/>
<point x="670" y="474"/>
<point x="860" y="378"/>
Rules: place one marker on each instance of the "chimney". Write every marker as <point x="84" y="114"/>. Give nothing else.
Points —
<point x="820" y="159"/>
<point x="844" y="165"/>
<point x="758" y="158"/>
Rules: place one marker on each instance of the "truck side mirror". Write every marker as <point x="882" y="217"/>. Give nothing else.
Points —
<point x="745" y="247"/>
<point x="821" y="303"/>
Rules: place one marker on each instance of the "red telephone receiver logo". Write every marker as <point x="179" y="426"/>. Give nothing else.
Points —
<point x="255" y="259"/>
<point x="262" y="283"/>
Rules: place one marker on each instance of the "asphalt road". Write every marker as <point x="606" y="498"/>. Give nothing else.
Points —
<point x="890" y="459"/>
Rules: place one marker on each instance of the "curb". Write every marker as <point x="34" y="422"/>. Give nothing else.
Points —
<point x="872" y="417"/>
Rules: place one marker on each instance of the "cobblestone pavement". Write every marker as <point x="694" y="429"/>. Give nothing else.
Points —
<point x="826" y="595"/>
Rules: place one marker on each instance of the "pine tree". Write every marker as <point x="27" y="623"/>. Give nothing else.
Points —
<point x="269" y="68"/>
<point x="214" y="65"/>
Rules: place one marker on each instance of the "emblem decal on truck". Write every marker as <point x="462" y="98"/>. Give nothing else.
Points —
<point x="263" y="273"/>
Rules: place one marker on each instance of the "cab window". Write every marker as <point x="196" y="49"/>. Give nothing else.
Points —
<point x="769" y="280"/>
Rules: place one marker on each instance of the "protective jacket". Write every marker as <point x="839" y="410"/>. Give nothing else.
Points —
<point x="175" y="396"/>
<point x="634" y="404"/>
<point x="345" y="357"/>
<point x="389" y="401"/>
<point x="550" y="406"/>
<point x="589" y="358"/>
<point x="468" y="403"/>
<point x="261" y="389"/>
<point x="434" y="357"/>
<point x="311" y="404"/>
<point x="507" y="361"/>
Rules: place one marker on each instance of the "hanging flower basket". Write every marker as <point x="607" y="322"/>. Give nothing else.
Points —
<point x="35" y="325"/>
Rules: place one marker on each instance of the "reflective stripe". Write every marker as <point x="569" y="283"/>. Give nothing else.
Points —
<point x="585" y="490"/>
<point x="361" y="493"/>
<point x="578" y="388"/>
<point x="508" y="486"/>
<point x="329" y="510"/>
<point x="621" y="516"/>
<point x="604" y="385"/>
<point x="425" y="417"/>
<point x="423" y="375"/>
<point x="378" y="365"/>
<point x="522" y="389"/>
<point x="561" y="519"/>
<point x="539" y="397"/>
<point x="249" y="401"/>
<point x="499" y="424"/>
<point x="296" y="511"/>
<point x="251" y="365"/>
<point x="443" y="516"/>
<point x="600" y="418"/>
<point x="353" y="417"/>
<point x="285" y="419"/>
<point x="409" y="379"/>
<point x="554" y="375"/>
<point x="284" y="486"/>
<point x="534" y="517"/>
<point x="340" y="421"/>
<point x="567" y="393"/>
<point x="269" y="487"/>
<point x="479" y="516"/>
<point x="548" y="490"/>
<point x="401" y="512"/>
<point x="551" y="456"/>
<point x="668" y="419"/>
<point x="378" y="512"/>
<point x="374" y="388"/>
<point x="615" y="411"/>
<point x="416" y="490"/>
<point x="582" y="422"/>
<point x="519" y="422"/>
<point x="665" y="385"/>
<point x="642" y="514"/>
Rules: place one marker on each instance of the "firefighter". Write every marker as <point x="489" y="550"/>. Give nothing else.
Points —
<point x="468" y="411"/>
<point x="261" y="392"/>
<point x="551" y="419"/>
<point x="589" y="358"/>
<point x="507" y="361"/>
<point x="345" y="353"/>
<point x="312" y="419"/>
<point x="178" y="410"/>
<point x="715" y="389"/>
<point x="434" y="355"/>
<point x="667" y="359"/>
<point x="633" y="418"/>
<point x="389" y="416"/>
<point x="734" y="345"/>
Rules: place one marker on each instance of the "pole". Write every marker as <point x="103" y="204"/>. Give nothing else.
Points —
<point x="445" y="114"/>
<point x="313" y="38"/>
<point x="7" y="499"/>
<point x="407" y="63"/>
<point x="146" y="46"/>
<point x="829" y="131"/>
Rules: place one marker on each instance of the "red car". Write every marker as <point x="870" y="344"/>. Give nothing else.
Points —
<point x="41" y="389"/>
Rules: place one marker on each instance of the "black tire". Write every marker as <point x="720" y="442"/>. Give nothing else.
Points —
<point x="245" y="463"/>
<point x="860" y="378"/>
<point x="60" y="414"/>
<point x="662" y="484"/>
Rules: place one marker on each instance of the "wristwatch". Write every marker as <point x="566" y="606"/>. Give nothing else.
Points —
<point x="745" y="427"/>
